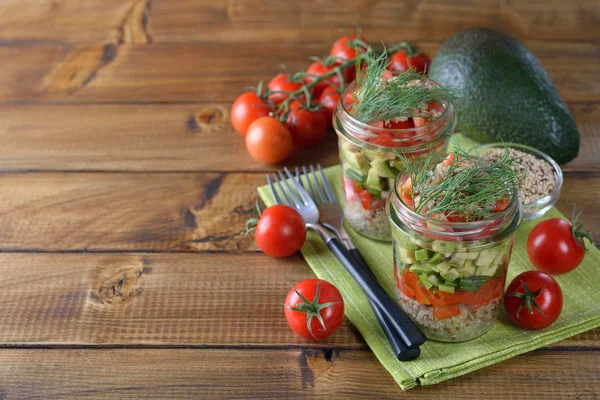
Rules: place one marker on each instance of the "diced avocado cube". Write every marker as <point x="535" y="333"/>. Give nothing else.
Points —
<point x="436" y="258"/>
<point x="374" y="181"/>
<point x="422" y="255"/>
<point x="349" y="147"/>
<point x="446" y="288"/>
<point x="391" y="183"/>
<point x="458" y="259"/>
<point x="444" y="266"/>
<point x="468" y="269"/>
<point x="398" y="164"/>
<point x="451" y="275"/>
<point x="356" y="161"/>
<point x="471" y="255"/>
<point x="441" y="246"/>
<point x="435" y="281"/>
<point x="425" y="281"/>
<point x="405" y="255"/>
<point x="490" y="269"/>
<point x="420" y="268"/>
<point x="486" y="257"/>
<point x="383" y="168"/>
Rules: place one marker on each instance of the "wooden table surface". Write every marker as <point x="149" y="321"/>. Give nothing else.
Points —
<point x="124" y="191"/>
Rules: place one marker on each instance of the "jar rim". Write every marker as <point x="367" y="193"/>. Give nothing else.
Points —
<point x="371" y="131"/>
<point x="505" y="221"/>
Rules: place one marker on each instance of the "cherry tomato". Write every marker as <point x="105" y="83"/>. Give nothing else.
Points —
<point x="555" y="247"/>
<point x="318" y="69"/>
<point x="306" y="127"/>
<point x="268" y="140"/>
<point x="280" y="231"/>
<point x="400" y="62"/>
<point x="343" y="50"/>
<point x="309" y="299"/>
<point x="282" y="82"/>
<point x="247" y="108"/>
<point x="533" y="300"/>
<point x="329" y="100"/>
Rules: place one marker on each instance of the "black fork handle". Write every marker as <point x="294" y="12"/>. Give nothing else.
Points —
<point x="402" y="352"/>
<point x="400" y="322"/>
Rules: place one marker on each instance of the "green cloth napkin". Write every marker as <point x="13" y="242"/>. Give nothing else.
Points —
<point x="441" y="361"/>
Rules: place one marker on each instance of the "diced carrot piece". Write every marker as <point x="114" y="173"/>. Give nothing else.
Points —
<point x="448" y="161"/>
<point x="447" y="311"/>
<point x="420" y="292"/>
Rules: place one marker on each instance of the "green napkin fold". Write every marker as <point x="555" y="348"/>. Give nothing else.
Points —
<point x="441" y="361"/>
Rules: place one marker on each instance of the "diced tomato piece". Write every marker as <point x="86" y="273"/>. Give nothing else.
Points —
<point x="404" y="287"/>
<point x="408" y="124"/>
<point x="366" y="199"/>
<point x="435" y="106"/>
<point x="501" y="205"/>
<point x="384" y="139"/>
<point x="447" y="311"/>
<point x="387" y="75"/>
<point x="455" y="217"/>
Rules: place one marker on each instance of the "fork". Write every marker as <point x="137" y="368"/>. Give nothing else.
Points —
<point x="306" y="207"/>
<point x="332" y="216"/>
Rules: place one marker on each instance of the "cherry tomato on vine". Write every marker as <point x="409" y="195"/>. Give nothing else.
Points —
<point x="318" y="69"/>
<point x="533" y="300"/>
<point x="329" y="99"/>
<point x="556" y="247"/>
<point x="280" y="231"/>
<point x="282" y="82"/>
<point x="306" y="127"/>
<point x="341" y="48"/>
<point x="314" y="308"/>
<point x="247" y="108"/>
<point x="268" y="140"/>
<point x="400" y="62"/>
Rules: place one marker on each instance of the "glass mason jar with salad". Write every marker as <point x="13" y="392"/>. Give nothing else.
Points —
<point x="381" y="117"/>
<point x="453" y="224"/>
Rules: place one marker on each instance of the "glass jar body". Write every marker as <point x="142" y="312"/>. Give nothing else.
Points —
<point x="450" y="277"/>
<point x="371" y="160"/>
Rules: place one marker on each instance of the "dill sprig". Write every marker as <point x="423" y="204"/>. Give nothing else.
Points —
<point x="381" y="100"/>
<point x="470" y="188"/>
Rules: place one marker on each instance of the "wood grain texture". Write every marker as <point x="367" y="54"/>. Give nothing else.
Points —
<point x="189" y="374"/>
<point x="195" y="212"/>
<point x="161" y="300"/>
<point x="190" y="137"/>
<point x="216" y="72"/>
<point x="74" y="21"/>
<point x="185" y="137"/>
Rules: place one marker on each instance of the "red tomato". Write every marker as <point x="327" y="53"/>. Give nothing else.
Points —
<point x="343" y="50"/>
<point x="280" y="231"/>
<point x="400" y="62"/>
<point x="553" y="247"/>
<point x="408" y="124"/>
<point x="306" y="127"/>
<point x="329" y="100"/>
<point x="246" y="109"/>
<point x="309" y="299"/>
<point x="268" y="140"/>
<point x="281" y="82"/>
<point x="533" y="300"/>
<point x="318" y="69"/>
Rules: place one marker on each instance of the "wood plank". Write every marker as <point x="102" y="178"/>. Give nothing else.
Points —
<point x="190" y="212"/>
<point x="168" y="137"/>
<point x="206" y="73"/>
<point x="70" y="21"/>
<point x="91" y="21"/>
<point x="160" y="374"/>
<point x="161" y="300"/>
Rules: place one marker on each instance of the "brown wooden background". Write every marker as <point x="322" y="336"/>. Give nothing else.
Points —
<point x="124" y="270"/>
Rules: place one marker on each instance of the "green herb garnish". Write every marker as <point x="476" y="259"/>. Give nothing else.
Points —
<point x="381" y="100"/>
<point x="470" y="189"/>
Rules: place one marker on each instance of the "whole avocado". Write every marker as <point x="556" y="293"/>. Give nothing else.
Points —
<point x="504" y="93"/>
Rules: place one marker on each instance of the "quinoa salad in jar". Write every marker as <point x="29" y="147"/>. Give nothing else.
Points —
<point x="380" y="119"/>
<point x="453" y="225"/>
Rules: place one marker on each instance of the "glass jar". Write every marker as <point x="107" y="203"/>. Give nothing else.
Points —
<point x="370" y="161"/>
<point x="450" y="276"/>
